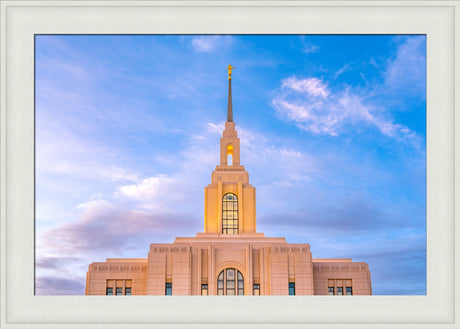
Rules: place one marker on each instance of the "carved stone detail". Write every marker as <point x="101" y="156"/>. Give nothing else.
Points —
<point x="290" y="248"/>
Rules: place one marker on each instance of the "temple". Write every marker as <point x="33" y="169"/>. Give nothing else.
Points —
<point x="230" y="257"/>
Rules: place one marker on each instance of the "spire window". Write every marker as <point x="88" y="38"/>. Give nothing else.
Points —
<point x="229" y="154"/>
<point x="230" y="214"/>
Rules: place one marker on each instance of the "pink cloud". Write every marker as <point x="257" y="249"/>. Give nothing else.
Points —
<point x="104" y="226"/>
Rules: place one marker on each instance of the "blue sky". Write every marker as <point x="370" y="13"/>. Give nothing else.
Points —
<point x="332" y="129"/>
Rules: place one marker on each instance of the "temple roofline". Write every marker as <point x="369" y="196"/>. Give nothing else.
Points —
<point x="232" y="238"/>
<point x="329" y="260"/>
<point x="126" y="259"/>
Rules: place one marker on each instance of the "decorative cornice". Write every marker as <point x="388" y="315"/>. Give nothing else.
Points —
<point x="118" y="268"/>
<point x="290" y="248"/>
<point x="340" y="267"/>
<point x="170" y="248"/>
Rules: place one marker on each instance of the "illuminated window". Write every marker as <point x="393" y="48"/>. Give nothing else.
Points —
<point x="230" y="154"/>
<point x="256" y="289"/>
<point x="168" y="291"/>
<point x="109" y="291"/>
<point x="349" y="291"/>
<point x="128" y="291"/>
<point x="230" y="214"/>
<point x="339" y="291"/>
<point x="230" y="282"/>
<point x="204" y="289"/>
<point x="291" y="288"/>
<point x="330" y="290"/>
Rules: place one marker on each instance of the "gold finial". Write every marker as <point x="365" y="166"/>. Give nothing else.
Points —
<point x="230" y="67"/>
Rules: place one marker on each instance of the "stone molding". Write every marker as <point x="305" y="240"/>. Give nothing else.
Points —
<point x="118" y="268"/>
<point x="340" y="267"/>
<point x="170" y="248"/>
<point x="290" y="248"/>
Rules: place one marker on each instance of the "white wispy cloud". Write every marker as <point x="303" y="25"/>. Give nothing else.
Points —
<point x="342" y="70"/>
<point x="312" y="86"/>
<point x="313" y="106"/>
<point x="310" y="105"/>
<point x="162" y="193"/>
<point x="116" y="174"/>
<point x="406" y="73"/>
<point x="79" y="158"/>
<point x="308" y="47"/>
<point x="148" y="188"/>
<point x="208" y="43"/>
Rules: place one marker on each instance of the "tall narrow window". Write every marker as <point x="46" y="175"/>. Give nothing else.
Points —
<point x="204" y="289"/>
<point x="128" y="291"/>
<point x="168" y="291"/>
<point x="119" y="291"/>
<point x="220" y="283"/>
<point x="109" y="291"/>
<point x="349" y="291"/>
<point x="230" y="159"/>
<point x="240" y="284"/>
<point x="230" y="154"/>
<point x="330" y="290"/>
<point x="230" y="282"/>
<point x="291" y="288"/>
<point x="256" y="289"/>
<point x="339" y="291"/>
<point x="230" y="214"/>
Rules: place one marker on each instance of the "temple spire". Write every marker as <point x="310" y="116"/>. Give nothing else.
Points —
<point x="229" y="106"/>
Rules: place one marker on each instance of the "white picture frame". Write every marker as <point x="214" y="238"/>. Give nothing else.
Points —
<point x="20" y="21"/>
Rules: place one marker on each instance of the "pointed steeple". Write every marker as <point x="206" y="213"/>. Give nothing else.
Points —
<point x="229" y="106"/>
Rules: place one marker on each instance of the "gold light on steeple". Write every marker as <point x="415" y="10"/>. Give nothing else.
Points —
<point x="230" y="67"/>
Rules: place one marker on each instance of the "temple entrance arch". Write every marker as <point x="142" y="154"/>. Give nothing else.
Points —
<point x="230" y="281"/>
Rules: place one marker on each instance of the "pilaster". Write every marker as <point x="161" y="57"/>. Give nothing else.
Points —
<point x="241" y="208"/>
<point x="219" y="206"/>
<point x="249" y="279"/>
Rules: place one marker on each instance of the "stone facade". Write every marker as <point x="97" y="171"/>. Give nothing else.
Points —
<point x="230" y="257"/>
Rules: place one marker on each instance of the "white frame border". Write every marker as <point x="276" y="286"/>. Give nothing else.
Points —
<point x="21" y="20"/>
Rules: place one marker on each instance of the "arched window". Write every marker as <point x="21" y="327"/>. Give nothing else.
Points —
<point x="230" y="214"/>
<point x="230" y="154"/>
<point x="230" y="282"/>
<point x="230" y="160"/>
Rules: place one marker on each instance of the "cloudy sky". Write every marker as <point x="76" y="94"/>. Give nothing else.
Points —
<point x="332" y="132"/>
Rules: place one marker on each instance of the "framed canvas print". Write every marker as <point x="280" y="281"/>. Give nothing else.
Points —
<point x="296" y="155"/>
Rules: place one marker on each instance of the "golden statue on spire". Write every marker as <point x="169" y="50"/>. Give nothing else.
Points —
<point x="230" y="67"/>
